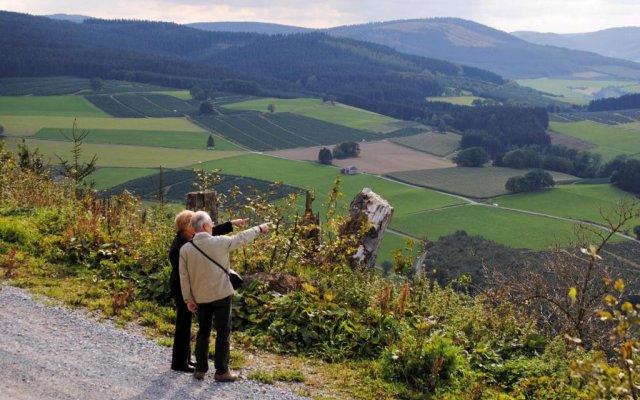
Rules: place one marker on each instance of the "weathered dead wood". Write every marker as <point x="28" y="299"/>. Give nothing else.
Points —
<point x="367" y="208"/>
<point x="205" y="201"/>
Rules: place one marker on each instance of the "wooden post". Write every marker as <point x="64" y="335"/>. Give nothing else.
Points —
<point x="205" y="201"/>
<point x="369" y="207"/>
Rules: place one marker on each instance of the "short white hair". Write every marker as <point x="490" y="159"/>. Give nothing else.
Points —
<point x="199" y="219"/>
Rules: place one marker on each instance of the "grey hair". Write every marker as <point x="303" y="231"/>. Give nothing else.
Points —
<point x="199" y="219"/>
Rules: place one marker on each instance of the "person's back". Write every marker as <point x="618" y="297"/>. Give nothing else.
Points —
<point x="207" y="290"/>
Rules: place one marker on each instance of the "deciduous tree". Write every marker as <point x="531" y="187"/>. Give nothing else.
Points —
<point x="325" y="156"/>
<point x="472" y="157"/>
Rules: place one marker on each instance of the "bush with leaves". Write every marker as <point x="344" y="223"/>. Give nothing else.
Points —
<point x="424" y="363"/>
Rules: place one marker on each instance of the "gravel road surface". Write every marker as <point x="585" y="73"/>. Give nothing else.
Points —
<point x="51" y="352"/>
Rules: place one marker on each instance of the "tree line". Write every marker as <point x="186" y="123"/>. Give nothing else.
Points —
<point x="624" y="102"/>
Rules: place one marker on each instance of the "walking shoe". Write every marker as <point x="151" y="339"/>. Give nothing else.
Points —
<point x="199" y="375"/>
<point x="182" y="368"/>
<point x="226" y="377"/>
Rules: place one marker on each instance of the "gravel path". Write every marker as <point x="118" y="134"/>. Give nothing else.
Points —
<point x="51" y="352"/>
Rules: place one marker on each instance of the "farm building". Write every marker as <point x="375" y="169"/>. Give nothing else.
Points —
<point x="349" y="170"/>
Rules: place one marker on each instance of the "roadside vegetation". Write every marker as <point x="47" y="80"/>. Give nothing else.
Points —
<point x="402" y="336"/>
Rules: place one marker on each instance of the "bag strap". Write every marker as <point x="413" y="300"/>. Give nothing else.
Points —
<point x="211" y="259"/>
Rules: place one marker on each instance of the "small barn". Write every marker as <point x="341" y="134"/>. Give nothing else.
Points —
<point x="349" y="170"/>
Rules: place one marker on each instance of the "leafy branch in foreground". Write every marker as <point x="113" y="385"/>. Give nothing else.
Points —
<point x="564" y="289"/>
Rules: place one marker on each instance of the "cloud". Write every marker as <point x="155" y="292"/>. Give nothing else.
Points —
<point x="538" y="15"/>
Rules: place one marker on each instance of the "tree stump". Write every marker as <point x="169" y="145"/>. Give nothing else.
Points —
<point x="205" y="201"/>
<point x="368" y="207"/>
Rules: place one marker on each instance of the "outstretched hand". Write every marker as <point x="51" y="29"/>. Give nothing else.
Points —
<point x="264" y="228"/>
<point x="239" y="222"/>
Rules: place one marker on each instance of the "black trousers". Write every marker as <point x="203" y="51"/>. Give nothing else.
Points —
<point x="182" y="336"/>
<point x="220" y="312"/>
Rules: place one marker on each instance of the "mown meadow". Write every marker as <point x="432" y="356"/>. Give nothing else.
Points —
<point x="315" y="108"/>
<point x="611" y="141"/>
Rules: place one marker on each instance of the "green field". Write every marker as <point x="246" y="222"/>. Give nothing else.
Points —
<point x="433" y="143"/>
<point x="15" y="125"/>
<point x="314" y="108"/>
<point x="471" y="182"/>
<point x="634" y="126"/>
<point x="107" y="177"/>
<point x="581" y="91"/>
<point x="179" y="94"/>
<point x="72" y="106"/>
<point x="111" y="155"/>
<point x="308" y="175"/>
<point x="168" y="139"/>
<point x="582" y="202"/>
<point x="459" y="100"/>
<point x="508" y="227"/>
<point x="610" y="140"/>
<point x="390" y="243"/>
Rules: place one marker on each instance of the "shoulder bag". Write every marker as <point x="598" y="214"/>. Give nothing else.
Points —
<point x="234" y="277"/>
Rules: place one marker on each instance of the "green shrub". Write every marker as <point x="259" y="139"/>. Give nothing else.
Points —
<point x="14" y="231"/>
<point x="423" y="364"/>
<point x="312" y="323"/>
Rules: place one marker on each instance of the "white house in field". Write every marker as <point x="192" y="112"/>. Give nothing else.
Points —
<point x="349" y="170"/>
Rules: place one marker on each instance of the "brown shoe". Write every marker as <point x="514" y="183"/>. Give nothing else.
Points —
<point x="199" y="375"/>
<point x="226" y="377"/>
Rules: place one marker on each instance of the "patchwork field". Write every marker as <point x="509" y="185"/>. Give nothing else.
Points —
<point x="610" y="140"/>
<point x="503" y="226"/>
<point x="139" y="105"/>
<point x="308" y="175"/>
<point x="130" y="148"/>
<point x="65" y="85"/>
<point x="106" y="177"/>
<point x="72" y="106"/>
<point x="379" y="157"/>
<point x="15" y="125"/>
<point x="580" y="202"/>
<point x="434" y="143"/>
<point x="263" y="132"/>
<point x="314" y="108"/>
<point x="110" y="155"/>
<point x="471" y="182"/>
<point x="167" y="139"/>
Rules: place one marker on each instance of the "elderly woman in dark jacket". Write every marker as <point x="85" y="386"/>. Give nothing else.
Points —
<point x="182" y="338"/>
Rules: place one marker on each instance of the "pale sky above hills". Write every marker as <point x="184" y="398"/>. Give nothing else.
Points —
<point x="565" y="16"/>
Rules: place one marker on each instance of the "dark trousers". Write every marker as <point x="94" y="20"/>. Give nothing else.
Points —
<point x="220" y="312"/>
<point x="182" y="336"/>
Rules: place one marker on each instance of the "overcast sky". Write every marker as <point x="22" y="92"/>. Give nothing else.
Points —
<point x="562" y="16"/>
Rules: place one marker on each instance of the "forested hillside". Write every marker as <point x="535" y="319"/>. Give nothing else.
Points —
<point x="470" y="43"/>
<point x="163" y="53"/>
<point x="614" y="42"/>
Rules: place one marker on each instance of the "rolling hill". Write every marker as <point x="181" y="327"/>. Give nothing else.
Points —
<point x="615" y="42"/>
<point x="470" y="43"/>
<point x="517" y="55"/>
<point x="358" y="73"/>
